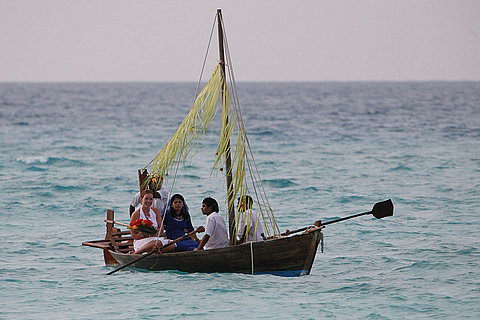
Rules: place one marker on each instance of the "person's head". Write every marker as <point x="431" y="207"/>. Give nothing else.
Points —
<point x="147" y="198"/>
<point x="245" y="202"/>
<point x="209" y="205"/>
<point x="155" y="182"/>
<point x="177" y="205"/>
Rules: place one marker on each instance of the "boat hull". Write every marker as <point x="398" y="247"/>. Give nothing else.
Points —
<point x="291" y="256"/>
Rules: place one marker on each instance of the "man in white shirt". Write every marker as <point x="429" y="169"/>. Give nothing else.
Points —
<point x="250" y="228"/>
<point x="215" y="231"/>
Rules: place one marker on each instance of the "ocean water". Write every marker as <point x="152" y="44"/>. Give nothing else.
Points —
<point x="68" y="152"/>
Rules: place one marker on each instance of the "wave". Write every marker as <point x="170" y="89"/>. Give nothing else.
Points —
<point x="21" y="123"/>
<point x="191" y="166"/>
<point x="269" y="163"/>
<point x="423" y="264"/>
<point x="189" y="176"/>
<point x="279" y="183"/>
<point x="60" y="188"/>
<point x="348" y="199"/>
<point x="44" y="160"/>
<point x="33" y="159"/>
<point x="359" y="287"/>
<point x="400" y="168"/>
<point x="261" y="133"/>
<point x="309" y="189"/>
<point x="35" y="168"/>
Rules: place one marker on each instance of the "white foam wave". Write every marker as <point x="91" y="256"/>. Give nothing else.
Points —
<point x="33" y="159"/>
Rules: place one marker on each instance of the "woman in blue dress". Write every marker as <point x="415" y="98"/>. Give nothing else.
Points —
<point x="177" y="222"/>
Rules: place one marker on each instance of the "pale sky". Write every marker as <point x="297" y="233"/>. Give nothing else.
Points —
<point x="270" y="40"/>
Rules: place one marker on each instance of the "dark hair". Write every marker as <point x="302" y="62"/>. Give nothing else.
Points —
<point x="247" y="200"/>
<point x="184" y="213"/>
<point x="211" y="203"/>
<point x="144" y="192"/>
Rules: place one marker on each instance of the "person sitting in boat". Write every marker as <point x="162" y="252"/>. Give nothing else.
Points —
<point x="250" y="227"/>
<point x="143" y="242"/>
<point x="177" y="222"/>
<point x="160" y="196"/>
<point x="215" y="231"/>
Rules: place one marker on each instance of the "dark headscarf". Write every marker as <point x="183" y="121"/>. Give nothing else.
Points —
<point x="185" y="211"/>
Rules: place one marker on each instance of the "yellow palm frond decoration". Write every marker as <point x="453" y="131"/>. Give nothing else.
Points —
<point x="242" y="168"/>
<point x="192" y="127"/>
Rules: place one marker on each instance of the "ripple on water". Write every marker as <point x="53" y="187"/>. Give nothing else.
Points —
<point x="45" y="160"/>
<point x="421" y="263"/>
<point x="279" y="183"/>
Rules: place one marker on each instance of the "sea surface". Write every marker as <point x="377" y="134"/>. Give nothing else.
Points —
<point x="325" y="150"/>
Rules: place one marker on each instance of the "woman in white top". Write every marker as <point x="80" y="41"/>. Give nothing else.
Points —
<point x="145" y="242"/>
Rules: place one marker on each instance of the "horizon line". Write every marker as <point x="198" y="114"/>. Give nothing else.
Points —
<point x="238" y="81"/>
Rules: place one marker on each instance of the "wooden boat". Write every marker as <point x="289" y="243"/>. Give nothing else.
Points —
<point x="291" y="253"/>
<point x="285" y="256"/>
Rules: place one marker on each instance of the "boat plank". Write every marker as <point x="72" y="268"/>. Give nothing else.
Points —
<point x="271" y="256"/>
<point x="102" y="245"/>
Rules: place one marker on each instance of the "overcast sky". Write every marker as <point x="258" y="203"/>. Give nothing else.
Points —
<point x="270" y="40"/>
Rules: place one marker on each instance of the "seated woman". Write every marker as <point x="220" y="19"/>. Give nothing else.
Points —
<point x="145" y="242"/>
<point x="177" y="222"/>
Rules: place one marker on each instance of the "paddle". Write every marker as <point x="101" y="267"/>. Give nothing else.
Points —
<point x="116" y="222"/>
<point x="199" y="229"/>
<point x="380" y="210"/>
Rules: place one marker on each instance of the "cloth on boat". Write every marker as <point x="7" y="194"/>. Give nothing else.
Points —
<point x="175" y="228"/>
<point x="152" y="216"/>
<point x="138" y="244"/>
<point x="186" y="245"/>
<point x="254" y="224"/>
<point x="159" y="203"/>
<point x="217" y="230"/>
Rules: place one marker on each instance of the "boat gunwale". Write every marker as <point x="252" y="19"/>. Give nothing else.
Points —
<point x="217" y="250"/>
<point x="281" y="256"/>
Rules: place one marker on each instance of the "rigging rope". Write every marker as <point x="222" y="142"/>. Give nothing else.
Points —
<point x="260" y="193"/>
<point x="195" y="124"/>
<point x="177" y="164"/>
<point x="251" y="255"/>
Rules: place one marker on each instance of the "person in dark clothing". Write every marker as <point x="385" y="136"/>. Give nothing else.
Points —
<point x="177" y="222"/>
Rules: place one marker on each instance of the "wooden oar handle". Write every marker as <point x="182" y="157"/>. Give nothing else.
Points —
<point x="380" y="210"/>
<point x="346" y="218"/>
<point x="287" y="232"/>
<point x="198" y="230"/>
<point x="116" y="222"/>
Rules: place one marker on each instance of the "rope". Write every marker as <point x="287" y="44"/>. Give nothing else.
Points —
<point x="245" y="166"/>
<point x="321" y="241"/>
<point x="196" y="93"/>
<point x="271" y="227"/>
<point x="251" y="255"/>
<point x="177" y="164"/>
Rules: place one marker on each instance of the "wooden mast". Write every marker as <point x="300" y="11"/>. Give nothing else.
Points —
<point x="228" y="156"/>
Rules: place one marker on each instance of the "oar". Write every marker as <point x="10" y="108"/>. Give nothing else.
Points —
<point x="199" y="229"/>
<point x="117" y="222"/>
<point x="380" y="210"/>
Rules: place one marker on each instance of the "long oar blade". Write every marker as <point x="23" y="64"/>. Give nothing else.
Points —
<point x="383" y="209"/>
<point x="380" y="210"/>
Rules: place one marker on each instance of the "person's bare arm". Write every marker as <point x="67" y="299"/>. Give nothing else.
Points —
<point x="203" y="242"/>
